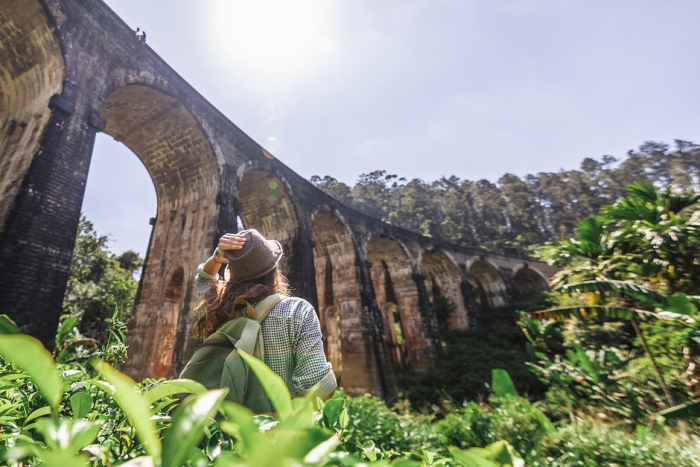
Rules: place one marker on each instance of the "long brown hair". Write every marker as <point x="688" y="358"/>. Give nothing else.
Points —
<point x="219" y="304"/>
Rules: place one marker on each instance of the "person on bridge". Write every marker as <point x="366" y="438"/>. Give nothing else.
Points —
<point x="140" y="35"/>
<point x="291" y="332"/>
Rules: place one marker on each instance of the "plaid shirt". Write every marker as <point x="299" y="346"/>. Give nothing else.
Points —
<point x="293" y="346"/>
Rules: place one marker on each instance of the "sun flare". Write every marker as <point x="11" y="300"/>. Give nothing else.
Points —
<point x="272" y="39"/>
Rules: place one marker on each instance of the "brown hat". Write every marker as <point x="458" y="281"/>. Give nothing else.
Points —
<point x="257" y="257"/>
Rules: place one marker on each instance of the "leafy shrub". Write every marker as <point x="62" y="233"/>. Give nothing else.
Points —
<point x="469" y="427"/>
<point x="519" y="422"/>
<point x="511" y="418"/>
<point x="591" y="443"/>
<point x="372" y="422"/>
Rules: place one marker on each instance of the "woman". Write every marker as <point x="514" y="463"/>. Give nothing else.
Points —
<point x="291" y="331"/>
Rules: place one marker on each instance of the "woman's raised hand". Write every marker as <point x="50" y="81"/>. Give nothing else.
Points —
<point x="229" y="242"/>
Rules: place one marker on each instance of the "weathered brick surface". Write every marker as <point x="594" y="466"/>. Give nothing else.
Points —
<point x="32" y="71"/>
<point x="443" y="277"/>
<point x="348" y="337"/>
<point x="70" y="68"/>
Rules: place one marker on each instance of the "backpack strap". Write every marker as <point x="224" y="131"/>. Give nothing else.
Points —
<point x="261" y="309"/>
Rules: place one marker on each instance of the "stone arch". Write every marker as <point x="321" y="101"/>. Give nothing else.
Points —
<point x="443" y="280"/>
<point x="527" y="280"/>
<point x="338" y="287"/>
<point x="179" y="158"/>
<point x="393" y="280"/>
<point x="32" y="71"/>
<point x="491" y="287"/>
<point x="265" y="204"/>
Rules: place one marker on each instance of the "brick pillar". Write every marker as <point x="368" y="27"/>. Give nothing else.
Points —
<point x="40" y="230"/>
<point x="511" y="291"/>
<point x="429" y="322"/>
<point x="382" y="366"/>
<point x="473" y="311"/>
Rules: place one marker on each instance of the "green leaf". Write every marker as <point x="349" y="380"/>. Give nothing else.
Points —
<point x="133" y="405"/>
<point x="7" y="326"/>
<point x="80" y="404"/>
<point x="320" y="451"/>
<point x="332" y="410"/>
<point x="273" y="385"/>
<point x="143" y="461"/>
<point x="172" y="387"/>
<point x="644" y="434"/>
<point x="502" y="384"/>
<point x="302" y="415"/>
<point x="30" y="355"/>
<point x="65" y="434"/>
<point x="690" y="410"/>
<point x="242" y="425"/>
<point x="61" y="459"/>
<point x="498" y="454"/>
<point x="344" y="418"/>
<point x="188" y="426"/>
<point x="38" y="413"/>
<point x="65" y="329"/>
<point x="680" y="304"/>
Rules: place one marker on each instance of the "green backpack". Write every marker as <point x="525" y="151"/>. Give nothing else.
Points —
<point x="216" y="364"/>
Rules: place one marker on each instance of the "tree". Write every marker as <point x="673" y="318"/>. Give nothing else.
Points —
<point x="515" y="213"/>
<point x="99" y="282"/>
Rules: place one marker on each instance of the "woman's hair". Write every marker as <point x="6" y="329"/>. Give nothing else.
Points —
<point x="220" y="300"/>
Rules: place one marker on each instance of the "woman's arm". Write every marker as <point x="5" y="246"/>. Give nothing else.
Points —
<point x="227" y="242"/>
<point x="312" y="368"/>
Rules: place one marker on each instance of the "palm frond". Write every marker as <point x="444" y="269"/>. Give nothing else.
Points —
<point x="629" y="289"/>
<point x="609" y="314"/>
<point x="686" y="411"/>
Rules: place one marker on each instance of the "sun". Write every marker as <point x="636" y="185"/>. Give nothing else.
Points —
<point x="272" y="39"/>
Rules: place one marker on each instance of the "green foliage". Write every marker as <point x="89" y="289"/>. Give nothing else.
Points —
<point x="29" y="355"/>
<point x="468" y="427"/>
<point x="499" y="453"/>
<point x="272" y="384"/>
<point x="100" y="422"/>
<point x="650" y="237"/>
<point x="372" y="422"/>
<point x="592" y="443"/>
<point x="501" y="384"/>
<point x="100" y="283"/>
<point x="510" y="418"/>
<point x="101" y="417"/>
<point x="187" y="429"/>
<point x="468" y="359"/>
<point x="122" y="389"/>
<point x="515" y="213"/>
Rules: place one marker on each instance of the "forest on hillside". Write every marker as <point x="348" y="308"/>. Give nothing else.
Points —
<point x="514" y="213"/>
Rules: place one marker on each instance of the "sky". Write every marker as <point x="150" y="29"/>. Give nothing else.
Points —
<point x="420" y="88"/>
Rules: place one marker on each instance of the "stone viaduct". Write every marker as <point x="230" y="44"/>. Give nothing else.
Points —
<point x="72" y="68"/>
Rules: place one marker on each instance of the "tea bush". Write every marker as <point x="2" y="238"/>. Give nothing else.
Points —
<point x="591" y="443"/>
<point x="511" y="418"/>
<point x="470" y="426"/>
<point x="371" y="421"/>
